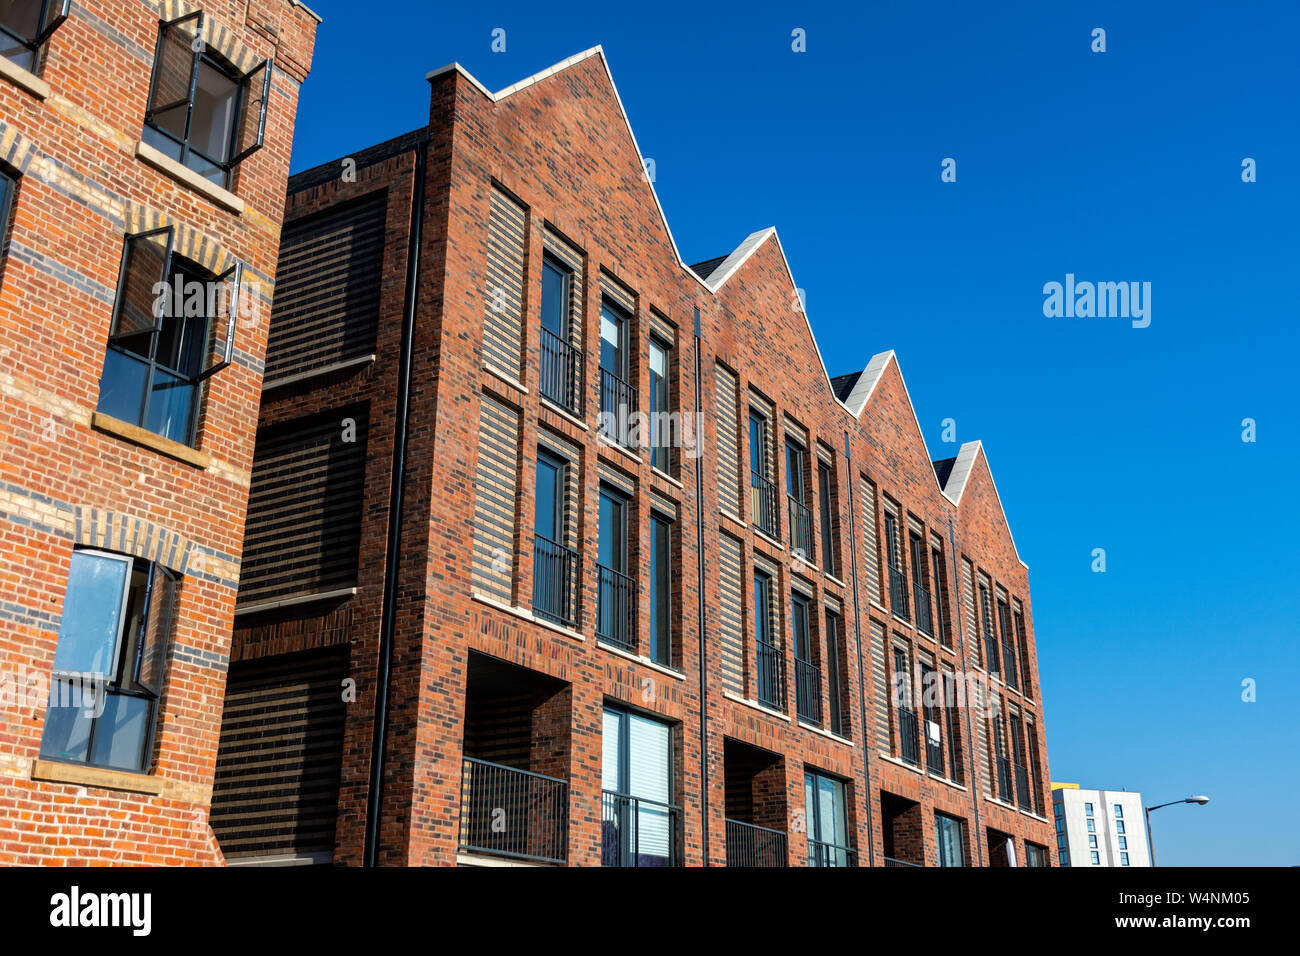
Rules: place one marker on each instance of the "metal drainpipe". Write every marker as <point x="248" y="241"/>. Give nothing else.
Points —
<point x="857" y="631"/>
<point x="699" y="558"/>
<point x="975" y="789"/>
<point x="392" y="555"/>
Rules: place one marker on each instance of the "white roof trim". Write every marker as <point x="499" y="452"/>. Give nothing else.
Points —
<point x="875" y="369"/>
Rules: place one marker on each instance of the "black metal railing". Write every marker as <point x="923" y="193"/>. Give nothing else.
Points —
<point x="1004" y="779"/>
<point x="639" y="832"/>
<point x="1010" y="673"/>
<point x="830" y="854"/>
<point x="769" y="674"/>
<point x="898" y="593"/>
<point x="1022" y="787"/>
<point x="921" y="598"/>
<point x="808" y="691"/>
<point x="618" y="402"/>
<point x="762" y="497"/>
<point x="556" y="573"/>
<point x="751" y="845"/>
<point x="907" y="745"/>
<point x="561" y="372"/>
<point x="800" y="528"/>
<point x="933" y="748"/>
<point x="615" y="608"/>
<point x="516" y="813"/>
<point x="991" y="651"/>
<point x="890" y="861"/>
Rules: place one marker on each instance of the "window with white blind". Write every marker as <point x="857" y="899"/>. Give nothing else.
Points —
<point x="638" y="822"/>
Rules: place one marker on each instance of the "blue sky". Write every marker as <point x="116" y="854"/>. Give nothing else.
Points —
<point x="1115" y="166"/>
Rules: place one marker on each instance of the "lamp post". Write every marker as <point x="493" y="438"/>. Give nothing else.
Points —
<point x="1198" y="799"/>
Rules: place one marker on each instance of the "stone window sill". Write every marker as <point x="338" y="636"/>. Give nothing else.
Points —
<point x="142" y="436"/>
<point x="189" y="178"/>
<point x="52" y="771"/>
<point x="21" y="78"/>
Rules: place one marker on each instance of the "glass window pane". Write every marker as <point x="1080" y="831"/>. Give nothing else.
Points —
<point x="67" y="721"/>
<point x="660" y="594"/>
<point x="611" y="341"/>
<point x="544" y="523"/>
<point x="171" y="406"/>
<point x="21" y="17"/>
<point x="649" y="778"/>
<point x="121" y="733"/>
<point x="213" y="123"/>
<point x="554" y="288"/>
<point x="92" y="614"/>
<point x="139" y="304"/>
<point x="611" y="750"/>
<point x="122" y="386"/>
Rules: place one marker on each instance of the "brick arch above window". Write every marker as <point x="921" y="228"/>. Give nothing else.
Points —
<point x="114" y="531"/>
<point x="16" y="150"/>
<point x="219" y="36"/>
<point x="190" y="243"/>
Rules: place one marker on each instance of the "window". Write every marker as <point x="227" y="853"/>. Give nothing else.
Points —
<point x="940" y="608"/>
<point x="8" y="187"/>
<point x="661" y="602"/>
<point x="555" y="565"/>
<point x="1123" y="843"/>
<point x="25" y="25"/>
<point x="202" y="111"/>
<point x="1095" y="857"/>
<point x="1087" y="809"/>
<point x="827" y="819"/>
<point x="109" y="661"/>
<point x="825" y="486"/>
<point x="1123" y="859"/>
<point x="951" y="838"/>
<point x="807" y="675"/>
<point x="1003" y="764"/>
<point x="762" y="488"/>
<point x="894" y="555"/>
<point x="1065" y="857"/>
<point x="907" y="729"/>
<point x="1092" y="825"/>
<point x="1023" y="642"/>
<point x="1119" y="826"/>
<point x="1119" y="811"/>
<point x="990" y="638"/>
<point x="1092" y="840"/>
<point x="1035" y="855"/>
<point x="617" y="397"/>
<point x="769" y="665"/>
<point x="1060" y="824"/>
<point x="955" y="770"/>
<point x="1009" y="653"/>
<point x="640" y="826"/>
<point x="836" y="679"/>
<point x="615" y="593"/>
<point x="660" y="405"/>
<point x="920" y="594"/>
<point x="932" y="703"/>
<point x="160" y="348"/>
<point x="796" y="493"/>
<point x="560" y="371"/>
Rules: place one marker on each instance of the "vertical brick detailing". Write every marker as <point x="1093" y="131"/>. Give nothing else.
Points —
<point x="726" y="424"/>
<point x="731" y="601"/>
<point x="870" y="543"/>
<point x="504" y="294"/>
<point x="495" y="491"/>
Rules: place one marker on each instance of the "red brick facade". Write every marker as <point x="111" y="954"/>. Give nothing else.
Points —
<point x="69" y="478"/>
<point x="558" y="147"/>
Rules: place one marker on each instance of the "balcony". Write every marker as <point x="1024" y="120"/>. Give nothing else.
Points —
<point x="615" y="604"/>
<point x="907" y="743"/>
<point x="638" y="832"/>
<point x="898" y="593"/>
<point x="800" y="528"/>
<point x="830" y="854"/>
<point x="921" y="598"/>
<point x="769" y="675"/>
<point x="752" y="845"/>
<point x="762" y="503"/>
<point x="1004" y="779"/>
<point x="808" y="691"/>
<point x="890" y="861"/>
<point x="1022" y="787"/>
<point x="556" y="573"/>
<point x="618" y="402"/>
<point x="561" y="373"/>
<point x="513" y="813"/>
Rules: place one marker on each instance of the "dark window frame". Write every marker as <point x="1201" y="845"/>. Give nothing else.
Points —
<point x="825" y="494"/>
<point x="664" y="619"/>
<point x="51" y="16"/>
<point x="660" y="433"/>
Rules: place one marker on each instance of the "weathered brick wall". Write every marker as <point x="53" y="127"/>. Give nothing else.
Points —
<point x="80" y="189"/>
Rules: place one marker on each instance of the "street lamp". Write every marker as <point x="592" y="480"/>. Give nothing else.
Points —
<point x="1198" y="799"/>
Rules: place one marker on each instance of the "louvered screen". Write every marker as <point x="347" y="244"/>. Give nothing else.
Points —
<point x="504" y="295"/>
<point x="496" y="492"/>
<point x="327" y="289"/>
<point x="304" y="507"/>
<point x="276" y="787"/>
<point x="731" y="627"/>
<point x="880" y="687"/>
<point x="728" y="445"/>
<point x="871" y="544"/>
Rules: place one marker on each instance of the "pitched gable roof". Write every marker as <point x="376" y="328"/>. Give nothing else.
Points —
<point x="958" y="479"/>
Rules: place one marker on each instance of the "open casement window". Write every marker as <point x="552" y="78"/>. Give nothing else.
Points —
<point x="164" y="340"/>
<point x="203" y="112"/>
<point x="26" y="25"/>
<point x="110" y="662"/>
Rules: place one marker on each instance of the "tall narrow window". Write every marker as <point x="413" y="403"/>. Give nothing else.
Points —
<point x="560" y="372"/>
<point x="661" y="601"/>
<point x="907" y="724"/>
<point x="894" y="555"/>
<point x="618" y="399"/>
<point x="762" y="488"/>
<point x="1001" y="759"/>
<point x="932" y="706"/>
<point x="1018" y="758"/>
<point x="836" y="682"/>
<point x="109" y="662"/>
<point x="826" y="503"/>
<point x="937" y="575"/>
<point x="1009" y="653"/>
<point x="950" y="701"/>
<point x="920" y="593"/>
<point x="203" y="111"/>
<point x="1022" y="641"/>
<point x="990" y="638"/>
<point x="616" y="591"/>
<point x="660" y="405"/>
<point x="640" y="825"/>
<point x="950" y="835"/>
<point x="796" y="492"/>
<point x="769" y="665"/>
<point x="25" y="25"/>
<point x="807" y="675"/>
<point x="826" y="811"/>
<point x="159" y="346"/>
<point x="556" y="567"/>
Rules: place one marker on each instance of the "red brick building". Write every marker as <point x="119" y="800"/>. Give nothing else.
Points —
<point x="562" y="550"/>
<point x="144" y="153"/>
